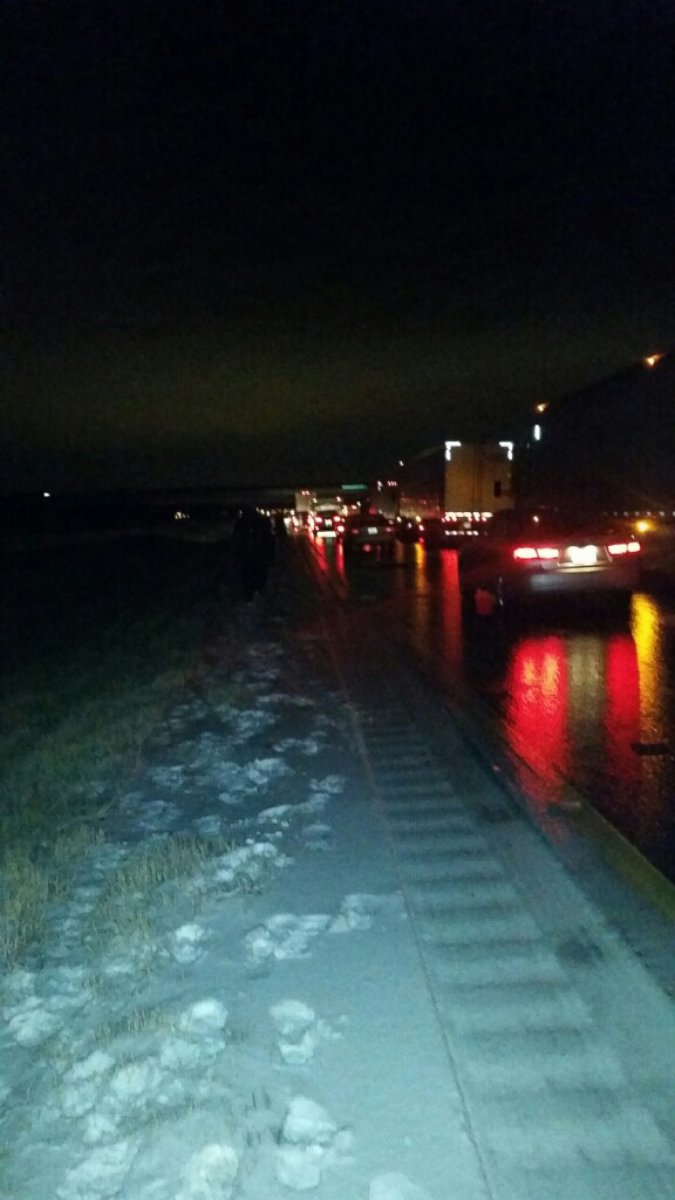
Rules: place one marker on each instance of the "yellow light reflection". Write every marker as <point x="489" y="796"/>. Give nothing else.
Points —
<point x="420" y="611"/>
<point x="646" y="629"/>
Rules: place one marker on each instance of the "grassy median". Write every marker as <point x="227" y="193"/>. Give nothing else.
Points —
<point x="97" y="640"/>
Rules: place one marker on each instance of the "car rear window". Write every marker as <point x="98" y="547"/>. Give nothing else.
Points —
<point x="368" y="519"/>
<point x="541" y="523"/>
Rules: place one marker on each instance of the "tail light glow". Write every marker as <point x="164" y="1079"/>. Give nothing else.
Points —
<point x="616" y="549"/>
<point x="530" y="553"/>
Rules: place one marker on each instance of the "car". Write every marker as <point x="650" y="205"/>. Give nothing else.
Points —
<point x="407" y="529"/>
<point x="436" y="532"/>
<point x="531" y="554"/>
<point x="326" y="523"/>
<point x="368" y="531"/>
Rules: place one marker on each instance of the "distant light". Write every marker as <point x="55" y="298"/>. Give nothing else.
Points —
<point x="449" y="447"/>
<point x="401" y="462"/>
<point x="46" y="495"/>
<point x="508" y="446"/>
<point x="652" y="360"/>
<point x="536" y="433"/>
<point x="541" y="408"/>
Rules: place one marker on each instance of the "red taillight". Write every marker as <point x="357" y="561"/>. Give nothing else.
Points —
<point x="529" y="553"/>
<point x="619" y="548"/>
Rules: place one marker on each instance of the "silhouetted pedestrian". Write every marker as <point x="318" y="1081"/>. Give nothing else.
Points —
<point x="253" y="542"/>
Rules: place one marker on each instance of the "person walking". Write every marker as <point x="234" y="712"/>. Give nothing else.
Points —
<point x="253" y="542"/>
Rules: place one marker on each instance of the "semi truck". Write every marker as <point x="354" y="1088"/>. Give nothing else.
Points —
<point x="607" y="448"/>
<point x="463" y="483"/>
<point x="608" y="451"/>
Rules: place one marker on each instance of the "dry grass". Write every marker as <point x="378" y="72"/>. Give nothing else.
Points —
<point x="98" y="649"/>
<point x="135" y="893"/>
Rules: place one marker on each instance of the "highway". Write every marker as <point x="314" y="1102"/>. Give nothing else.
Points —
<point x="579" y="703"/>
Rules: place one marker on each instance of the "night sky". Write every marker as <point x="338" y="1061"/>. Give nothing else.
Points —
<point x="271" y="242"/>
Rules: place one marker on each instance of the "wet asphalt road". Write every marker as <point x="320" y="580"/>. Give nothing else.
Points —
<point x="574" y="697"/>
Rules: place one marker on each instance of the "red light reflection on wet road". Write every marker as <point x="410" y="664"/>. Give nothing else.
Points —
<point x="536" y="711"/>
<point x="621" y="718"/>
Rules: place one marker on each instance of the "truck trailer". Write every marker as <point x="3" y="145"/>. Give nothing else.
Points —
<point x="608" y="448"/>
<point x="464" y="483"/>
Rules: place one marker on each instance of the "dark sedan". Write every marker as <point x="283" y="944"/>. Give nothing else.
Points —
<point x="538" y="554"/>
<point x="369" y="531"/>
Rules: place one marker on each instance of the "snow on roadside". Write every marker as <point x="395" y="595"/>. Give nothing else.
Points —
<point x="130" y="1066"/>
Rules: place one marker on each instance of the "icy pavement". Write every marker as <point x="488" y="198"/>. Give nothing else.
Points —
<point x="231" y="1005"/>
<point x="294" y="968"/>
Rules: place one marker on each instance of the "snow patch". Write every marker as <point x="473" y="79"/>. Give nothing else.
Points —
<point x="101" y="1174"/>
<point x="247" y="863"/>
<point x="93" y="1066"/>
<point x="284" y="936"/>
<point x="177" y="1054"/>
<point x="156" y="815"/>
<point x="185" y="943"/>
<point x="168" y="777"/>
<point x="29" y="1023"/>
<point x="394" y="1186"/>
<point x="353" y="915"/>
<point x="317" y="836"/>
<point x="209" y="826"/>
<point x="210" y="1174"/>
<point x="83" y="1083"/>
<point x="204" y="1017"/>
<point x="309" y="746"/>
<point x="332" y="784"/>
<point x="285" y="699"/>
<point x="263" y="770"/>
<point x="244" y="723"/>
<point x="275" y="816"/>
<point x="310" y="1140"/>
<point x="306" y="1122"/>
<point x="300" y="1031"/>
<point x="237" y="781"/>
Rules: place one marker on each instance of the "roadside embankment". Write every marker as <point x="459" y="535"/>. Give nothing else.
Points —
<point x="96" y="640"/>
